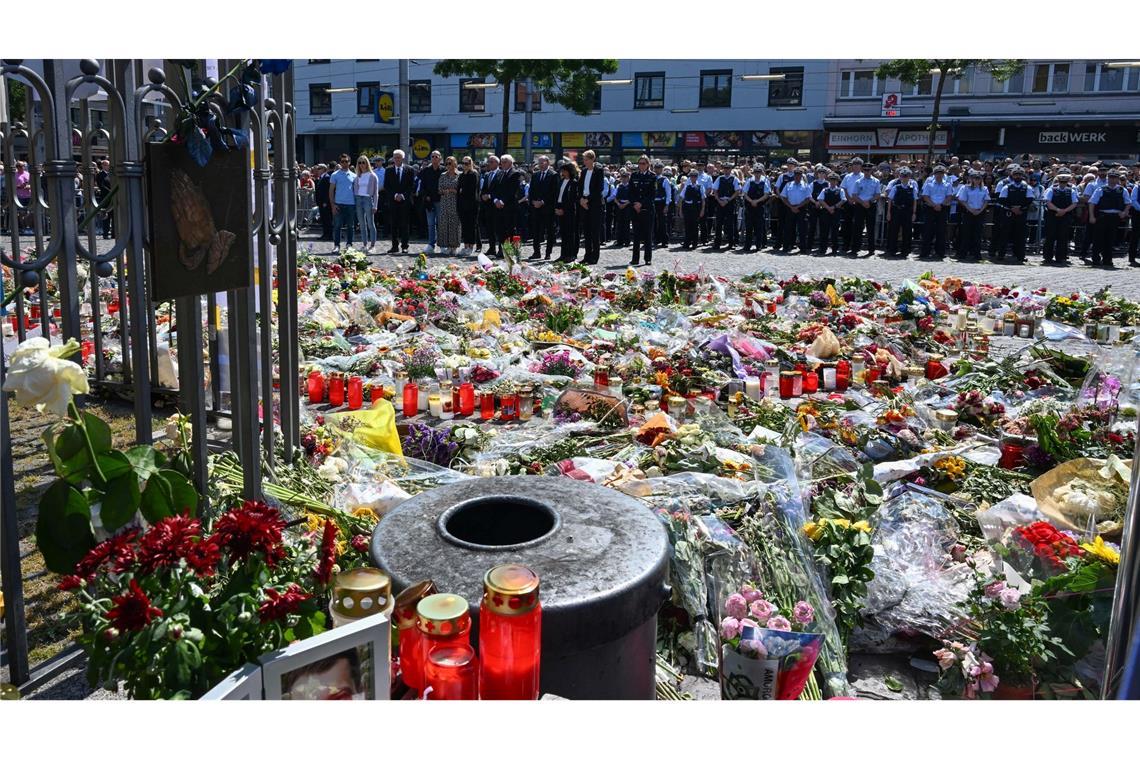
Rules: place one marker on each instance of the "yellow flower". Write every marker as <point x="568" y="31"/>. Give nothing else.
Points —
<point x="314" y="522"/>
<point x="842" y="522"/>
<point x="812" y="530"/>
<point x="365" y="513"/>
<point x="862" y="525"/>
<point x="1099" y="549"/>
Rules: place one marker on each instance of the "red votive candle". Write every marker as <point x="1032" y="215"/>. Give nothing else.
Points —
<point x="355" y="392"/>
<point x="411" y="399"/>
<point x="466" y="399"/>
<point x="336" y="389"/>
<point x="487" y="405"/>
<point x="510" y="634"/>
<point x="316" y="387"/>
<point x="452" y="672"/>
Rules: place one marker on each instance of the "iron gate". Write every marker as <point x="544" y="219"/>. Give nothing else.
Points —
<point x="53" y="238"/>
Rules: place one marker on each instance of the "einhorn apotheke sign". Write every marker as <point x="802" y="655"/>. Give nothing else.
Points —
<point x="886" y="138"/>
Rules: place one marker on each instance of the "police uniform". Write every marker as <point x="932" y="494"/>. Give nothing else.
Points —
<point x="642" y="190"/>
<point x="902" y="197"/>
<point x="972" y="198"/>
<point x="1085" y="229"/>
<point x="832" y="197"/>
<point x="818" y="185"/>
<point x="781" y="210"/>
<point x="867" y="189"/>
<point x="1134" y="239"/>
<point x="692" y="206"/>
<point x="848" y="185"/>
<point x="795" y="193"/>
<point x="1109" y="202"/>
<point x="663" y="196"/>
<point x="725" y="189"/>
<point x="1059" y="227"/>
<point x="755" y="232"/>
<point x="1015" y="201"/>
<point x="934" y="222"/>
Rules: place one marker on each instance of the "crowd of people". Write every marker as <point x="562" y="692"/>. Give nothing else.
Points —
<point x="846" y="207"/>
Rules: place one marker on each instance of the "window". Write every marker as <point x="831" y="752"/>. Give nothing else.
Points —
<point x="716" y="89"/>
<point x="1050" y="77"/>
<point x="520" y="100"/>
<point x="472" y="99"/>
<point x="367" y="60"/>
<point x="419" y="96"/>
<point x="924" y="87"/>
<point x="319" y="60"/>
<point x="1100" y="78"/>
<point x="860" y="84"/>
<point x="320" y="99"/>
<point x="962" y="84"/>
<point x="366" y="93"/>
<point x="649" y="90"/>
<point x="788" y="91"/>
<point x="1012" y="86"/>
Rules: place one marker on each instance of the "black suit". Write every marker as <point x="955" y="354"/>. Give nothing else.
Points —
<point x="400" y="182"/>
<point x="543" y="187"/>
<point x="506" y="188"/>
<point x="487" y="209"/>
<point x="323" y="206"/>
<point x="567" y="222"/>
<point x="594" y="212"/>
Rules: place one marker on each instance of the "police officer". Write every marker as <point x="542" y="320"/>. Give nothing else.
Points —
<point x="1061" y="204"/>
<point x="1090" y="186"/>
<point x="936" y="198"/>
<point x="848" y="184"/>
<point x="692" y="209"/>
<point x="757" y="190"/>
<point x="621" y="211"/>
<point x="1108" y="207"/>
<point x="1135" y="213"/>
<point x="663" y="196"/>
<point x="902" y="208"/>
<point x="818" y="185"/>
<point x="972" y="201"/>
<point x="786" y="176"/>
<point x="795" y="196"/>
<point x="725" y="190"/>
<point x="829" y="209"/>
<point x="642" y="191"/>
<point x="865" y="202"/>
<point x="1015" y="201"/>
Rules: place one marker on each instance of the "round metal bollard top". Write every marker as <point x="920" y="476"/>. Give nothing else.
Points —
<point x="602" y="557"/>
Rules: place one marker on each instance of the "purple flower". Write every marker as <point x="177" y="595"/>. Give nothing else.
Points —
<point x="736" y="606"/>
<point x="1010" y="598"/>
<point x="819" y="299"/>
<point x="803" y="613"/>
<point x="779" y="623"/>
<point x="753" y="648"/>
<point x="751" y="593"/>
<point x="993" y="590"/>
<point x="729" y="628"/>
<point x="762" y="609"/>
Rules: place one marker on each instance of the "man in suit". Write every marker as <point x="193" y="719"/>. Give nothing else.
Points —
<point x="506" y="188"/>
<point x="593" y="203"/>
<point x="486" y="207"/>
<point x="543" y="187"/>
<point x="324" y="206"/>
<point x="400" y="187"/>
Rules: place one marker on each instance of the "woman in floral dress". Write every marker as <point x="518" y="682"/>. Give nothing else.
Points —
<point x="448" y="233"/>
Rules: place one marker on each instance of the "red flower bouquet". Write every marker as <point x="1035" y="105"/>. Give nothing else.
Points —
<point x="1043" y="549"/>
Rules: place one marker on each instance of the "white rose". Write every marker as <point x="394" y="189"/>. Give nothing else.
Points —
<point x="329" y="471"/>
<point x="42" y="378"/>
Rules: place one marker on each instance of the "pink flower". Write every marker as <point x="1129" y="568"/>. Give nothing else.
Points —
<point x="762" y="609"/>
<point x="983" y="674"/>
<point x="729" y="628"/>
<point x="803" y="613"/>
<point x="779" y="623"/>
<point x="1010" y="598"/>
<point x="736" y="606"/>
<point x="751" y="593"/>
<point x="747" y="623"/>
<point x="946" y="658"/>
<point x="993" y="590"/>
<point x="753" y="648"/>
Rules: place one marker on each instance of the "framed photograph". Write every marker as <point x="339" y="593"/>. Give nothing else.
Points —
<point x="199" y="221"/>
<point x="244" y="684"/>
<point x="350" y="662"/>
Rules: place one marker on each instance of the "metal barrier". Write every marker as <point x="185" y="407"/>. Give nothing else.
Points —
<point x="58" y="241"/>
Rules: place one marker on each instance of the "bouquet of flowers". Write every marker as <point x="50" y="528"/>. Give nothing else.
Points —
<point x="766" y="652"/>
<point x="558" y="363"/>
<point x="1042" y="549"/>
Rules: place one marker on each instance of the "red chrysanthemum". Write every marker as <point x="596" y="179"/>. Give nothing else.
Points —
<point x="176" y="538"/>
<point x="117" y="553"/>
<point x="360" y="544"/>
<point x="132" y="611"/>
<point x="253" y="527"/>
<point x="278" y="604"/>
<point x="326" y="554"/>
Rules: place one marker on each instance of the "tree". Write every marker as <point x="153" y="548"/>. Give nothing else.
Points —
<point x="17" y="102"/>
<point x="568" y="82"/>
<point x="912" y="70"/>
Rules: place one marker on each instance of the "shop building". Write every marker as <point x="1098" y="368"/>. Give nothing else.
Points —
<point x="1068" y="109"/>
<point x="709" y="109"/>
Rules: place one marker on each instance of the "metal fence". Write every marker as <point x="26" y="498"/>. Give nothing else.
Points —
<point x="64" y="288"/>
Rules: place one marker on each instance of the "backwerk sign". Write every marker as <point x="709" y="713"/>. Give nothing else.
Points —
<point x="1084" y="139"/>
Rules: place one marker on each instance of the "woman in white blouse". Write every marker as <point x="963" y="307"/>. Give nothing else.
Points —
<point x="366" y="189"/>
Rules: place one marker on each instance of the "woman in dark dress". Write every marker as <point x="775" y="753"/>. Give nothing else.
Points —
<point x="565" y="208"/>
<point x="467" y="201"/>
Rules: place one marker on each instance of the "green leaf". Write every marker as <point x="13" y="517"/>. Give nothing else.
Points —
<point x="63" y="528"/>
<point x="114" y="464"/>
<point x="145" y="460"/>
<point x="840" y="580"/>
<point x="157" y="499"/>
<point x="893" y="683"/>
<point x="184" y="495"/>
<point x="98" y="432"/>
<point x="70" y="442"/>
<point x="120" y="500"/>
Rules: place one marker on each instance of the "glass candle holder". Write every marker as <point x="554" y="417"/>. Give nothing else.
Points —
<point x="935" y="368"/>
<point x="316" y="387"/>
<point x="375" y="393"/>
<point x="411" y="399"/>
<point x="451" y="672"/>
<point x="788" y="383"/>
<point x="1012" y="452"/>
<point x="487" y="405"/>
<point x="510" y="633"/>
<point x="443" y="620"/>
<point x="809" y="380"/>
<point x="466" y="399"/>
<point x="526" y="403"/>
<point x="446" y="401"/>
<point x="509" y="406"/>
<point x="355" y="392"/>
<point x="406" y="636"/>
<point x="336" y="389"/>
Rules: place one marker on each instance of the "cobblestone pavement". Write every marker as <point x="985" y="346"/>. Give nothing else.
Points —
<point x="1125" y="280"/>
